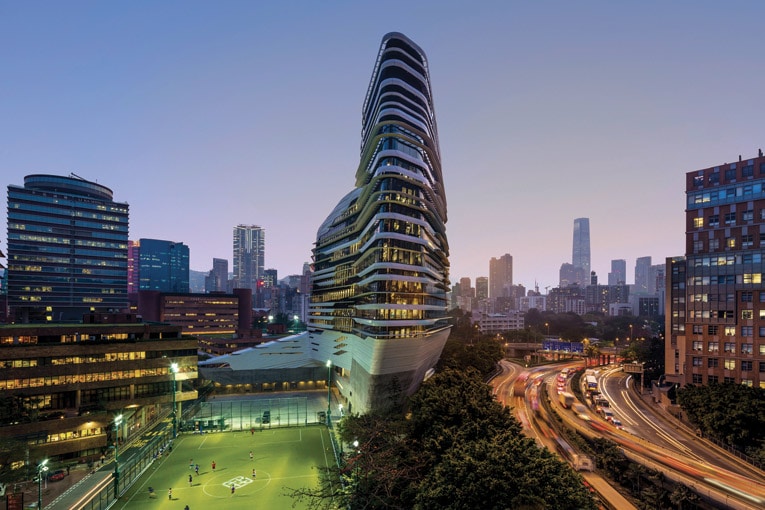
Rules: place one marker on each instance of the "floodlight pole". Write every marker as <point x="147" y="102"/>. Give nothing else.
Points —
<point x="41" y="468"/>
<point x="329" y="385"/>
<point x="174" y="370"/>
<point x="117" y="422"/>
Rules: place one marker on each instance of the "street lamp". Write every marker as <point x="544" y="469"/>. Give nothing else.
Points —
<point x="547" y="325"/>
<point x="117" y="423"/>
<point x="329" y="384"/>
<point x="631" y="333"/>
<point x="174" y="370"/>
<point x="41" y="468"/>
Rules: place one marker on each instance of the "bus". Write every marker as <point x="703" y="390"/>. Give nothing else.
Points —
<point x="592" y="383"/>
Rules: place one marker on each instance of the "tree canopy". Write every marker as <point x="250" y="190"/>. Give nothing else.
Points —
<point x="456" y="448"/>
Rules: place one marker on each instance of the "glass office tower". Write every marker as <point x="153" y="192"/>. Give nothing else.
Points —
<point x="67" y="249"/>
<point x="163" y="266"/>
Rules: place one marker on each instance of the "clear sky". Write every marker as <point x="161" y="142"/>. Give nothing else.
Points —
<point x="206" y="114"/>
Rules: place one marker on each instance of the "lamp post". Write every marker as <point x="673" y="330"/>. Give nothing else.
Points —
<point x="117" y="423"/>
<point x="329" y="385"/>
<point x="547" y="325"/>
<point x="41" y="468"/>
<point x="174" y="370"/>
<point x="631" y="333"/>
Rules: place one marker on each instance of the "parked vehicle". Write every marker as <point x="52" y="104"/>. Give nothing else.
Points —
<point x="57" y="475"/>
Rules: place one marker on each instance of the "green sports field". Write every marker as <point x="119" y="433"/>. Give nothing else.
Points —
<point x="282" y="457"/>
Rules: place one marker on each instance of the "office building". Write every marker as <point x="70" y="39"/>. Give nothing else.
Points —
<point x="482" y="287"/>
<point x="580" y="253"/>
<point x="133" y="284"/>
<point x="380" y="280"/>
<point x="249" y="256"/>
<point x="715" y="310"/>
<point x="500" y="276"/>
<point x="69" y="381"/>
<point x="643" y="277"/>
<point x="618" y="274"/>
<point x="162" y="265"/>
<point x="217" y="279"/>
<point x="216" y="313"/>
<point x="67" y="249"/>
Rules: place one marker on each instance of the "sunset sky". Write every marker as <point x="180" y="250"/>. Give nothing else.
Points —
<point x="203" y="115"/>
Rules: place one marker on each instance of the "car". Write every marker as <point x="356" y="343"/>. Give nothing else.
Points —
<point x="608" y="414"/>
<point x="266" y="417"/>
<point x="57" y="475"/>
<point x="617" y="423"/>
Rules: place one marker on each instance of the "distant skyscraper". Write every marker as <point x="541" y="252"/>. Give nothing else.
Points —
<point x="500" y="276"/>
<point x="163" y="266"/>
<point x="217" y="278"/>
<point x="249" y="256"/>
<point x="618" y="274"/>
<point x="643" y="278"/>
<point x="67" y="248"/>
<point x="134" y="249"/>
<point x="482" y="287"/>
<point x="581" y="249"/>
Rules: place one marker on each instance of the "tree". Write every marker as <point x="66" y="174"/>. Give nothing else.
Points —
<point x="682" y="495"/>
<point x="457" y="448"/>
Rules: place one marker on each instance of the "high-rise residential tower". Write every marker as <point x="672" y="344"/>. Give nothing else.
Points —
<point x="249" y="256"/>
<point x="580" y="257"/>
<point x="67" y="249"/>
<point x="618" y="274"/>
<point x="643" y="276"/>
<point x="500" y="276"/>
<point x="163" y="266"/>
<point x="377" y="320"/>
<point x="715" y="307"/>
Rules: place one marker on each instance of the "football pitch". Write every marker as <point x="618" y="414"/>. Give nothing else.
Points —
<point x="283" y="459"/>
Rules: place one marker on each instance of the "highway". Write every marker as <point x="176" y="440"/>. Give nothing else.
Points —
<point x="648" y="438"/>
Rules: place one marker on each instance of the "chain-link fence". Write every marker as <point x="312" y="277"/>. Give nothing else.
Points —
<point x="251" y="414"/>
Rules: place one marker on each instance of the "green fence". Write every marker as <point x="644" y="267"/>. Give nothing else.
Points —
<point x="251" y="414"/>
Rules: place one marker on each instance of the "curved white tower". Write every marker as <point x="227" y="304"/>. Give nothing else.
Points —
<point x="381" y="269"/>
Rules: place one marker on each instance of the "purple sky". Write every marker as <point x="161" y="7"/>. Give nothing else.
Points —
<point x="204" y="115"/>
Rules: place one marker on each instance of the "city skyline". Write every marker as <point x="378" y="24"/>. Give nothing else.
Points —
<point x="189" y="113"/>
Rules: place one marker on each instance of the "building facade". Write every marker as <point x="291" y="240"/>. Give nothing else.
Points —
<point x="217" y="279"/>
<point x="200" y="314"/>
<point x="716" y="306"/>
<point x="500" y="276"/>
<point x="580" y="253"/>
<point x="618" y="274"/>
<point x="161" y="265"/>
<point x="67" y="249"/>
<point x="67" y="382"/>
<point x="249" y="256"/>
<point x="378" y="307"/>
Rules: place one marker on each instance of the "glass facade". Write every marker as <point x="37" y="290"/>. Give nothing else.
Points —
<point x="381" y="258"/>
<point x="720" y="307"/>
<point x="163" y="266"/>
<point x="67" y="249"/>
